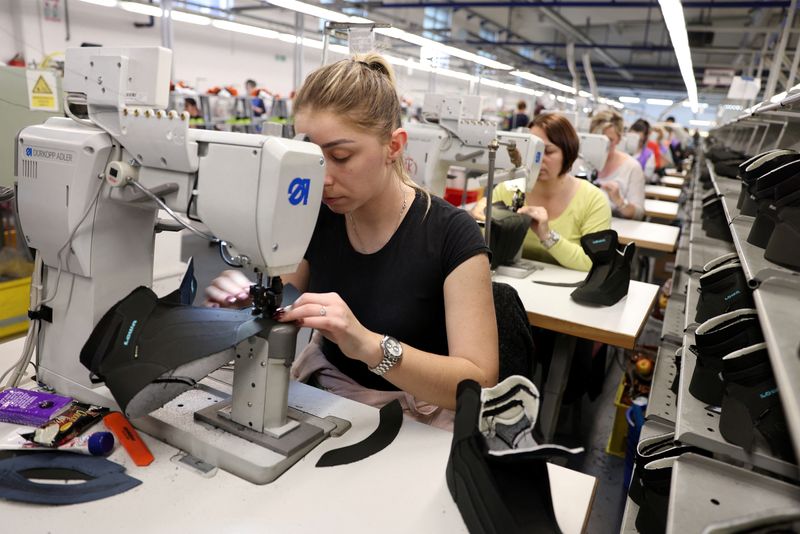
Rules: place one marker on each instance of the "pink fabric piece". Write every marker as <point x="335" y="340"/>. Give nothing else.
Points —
<point x="311" y="361"/>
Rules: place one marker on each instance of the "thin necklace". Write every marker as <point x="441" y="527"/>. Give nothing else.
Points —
<point x="355" y="228"/>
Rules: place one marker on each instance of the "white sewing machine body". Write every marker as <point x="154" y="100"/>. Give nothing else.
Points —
<point x="457" y="135"/>
<point x="95" y="232"/>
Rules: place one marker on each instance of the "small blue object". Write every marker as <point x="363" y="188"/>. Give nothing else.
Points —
<point x="101" y="443"/>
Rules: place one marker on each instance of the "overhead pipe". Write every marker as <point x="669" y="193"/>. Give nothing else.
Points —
<point x="567" y="27"/>
<point x="777" y="65"/>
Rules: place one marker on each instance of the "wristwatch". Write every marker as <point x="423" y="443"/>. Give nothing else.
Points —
<point x="392" y="354"/>
<point x="624" y="204"/>
<point x="551" y="239"/>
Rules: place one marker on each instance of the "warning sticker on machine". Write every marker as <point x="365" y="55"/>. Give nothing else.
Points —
<point x="42" y="90"/>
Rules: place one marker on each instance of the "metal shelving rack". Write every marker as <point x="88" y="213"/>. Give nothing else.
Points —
<point x="709" y="490"/>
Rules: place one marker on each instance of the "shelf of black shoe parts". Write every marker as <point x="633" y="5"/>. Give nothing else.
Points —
<point x="696" y="425"/>
<point x="756" y="267"/>
<point x="703" y="248"/>
<point x="777" y="303"/>
<point x="650" y="429"/>
<point x="704" y="491"/>
<point x="662" y="405"/>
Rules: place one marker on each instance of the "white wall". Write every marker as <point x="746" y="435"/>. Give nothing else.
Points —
<point x="204" y="56"/>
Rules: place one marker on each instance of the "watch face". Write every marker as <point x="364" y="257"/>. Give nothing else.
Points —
<point x="392" y="347"/>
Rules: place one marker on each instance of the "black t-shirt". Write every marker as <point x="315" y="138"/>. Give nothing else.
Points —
<point x="399" y="290"/>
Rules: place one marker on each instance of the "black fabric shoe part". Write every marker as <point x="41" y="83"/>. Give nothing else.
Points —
<point x="751" y="406"/>
<point x="723" y="290"/>
<point x="149" y="351"/>
<point x="761" y="167"/>
<point x="676" y="382"/>
<point x="656" y="448"/>
<point x="610" y="275"/>
<point x="390" y="421"/>
<point x="764" y="193"/>
<point x="497" y="494"/>
<point x="103" y="478"/>
<point x="508" y="233"/>
<point x="653" y="496"/>
<point x="725" y="259"/>
<point x="714" y="221"/>
<point x="783" y="247"/>
<point x="728" y="168"/>
<point x="714" y="339"/>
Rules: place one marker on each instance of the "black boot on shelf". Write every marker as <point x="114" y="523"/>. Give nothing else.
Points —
<point x="751" y="406"/>
<point x="723" y="289"/>
<point x="651" y="493"/>
<point x="714" y="339"/>
<point x="610" y="275"/>
<point x="771" y="186"/>
<point x="783" y="247"/>
<point x="714" y="221"/>
<point x="755" y="167"/>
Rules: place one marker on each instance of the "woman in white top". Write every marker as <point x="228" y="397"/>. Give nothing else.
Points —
<point x="621" y="178"/>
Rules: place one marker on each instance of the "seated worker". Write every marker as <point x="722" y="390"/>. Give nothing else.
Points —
<point x="195" y="116"/>
<point x="661" y="139"/>
<point x="562" y="208"/>
<point x="255" y="102"/>
<point x="395" y="282"/>
<point x="644" y="154"/>
<point x="621" y="178"/>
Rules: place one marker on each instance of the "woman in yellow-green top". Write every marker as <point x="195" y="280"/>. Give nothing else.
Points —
<point x="562" y="208"/>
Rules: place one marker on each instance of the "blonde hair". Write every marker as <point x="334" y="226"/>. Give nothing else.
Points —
<point x="607" y="119"/>
<point x="361" y="90"/>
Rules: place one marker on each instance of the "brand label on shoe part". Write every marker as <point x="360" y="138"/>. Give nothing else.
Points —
<point x="768" y="393"/>
<point x="131" y="328"/>
<point x="737" y="292"/>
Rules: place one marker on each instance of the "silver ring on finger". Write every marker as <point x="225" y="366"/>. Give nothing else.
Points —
<point x="322" y="311"/>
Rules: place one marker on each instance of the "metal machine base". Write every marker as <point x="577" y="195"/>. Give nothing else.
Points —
<point x="216" y="440"/>
<point x="519" y="269"/>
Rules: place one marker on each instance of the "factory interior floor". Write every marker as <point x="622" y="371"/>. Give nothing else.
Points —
<point x="589" y="428"/>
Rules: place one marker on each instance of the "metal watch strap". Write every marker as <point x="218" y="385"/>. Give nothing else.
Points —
<point x="387" y="362"/>
<point x="551" y="239"/>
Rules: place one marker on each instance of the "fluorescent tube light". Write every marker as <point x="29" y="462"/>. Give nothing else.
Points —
<point x="672" y="10"/>
<point x="142" y="9"/>
<point x="190" y="18"/>
<point x="543" y="81"/>
<point x="104" y="3"/>
<point x="630" y="99"/>
<point x="659" y="102"/>
<point x="244" y="28"/>
<point x="314" y="11"/>
<point x="695" y="122"/>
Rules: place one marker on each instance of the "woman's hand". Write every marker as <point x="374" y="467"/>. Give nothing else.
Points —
<point x="539" y="220"/>
<point x="329" y="314"/>
<point x="612" y="188"/>
<point x="231" y="289"/>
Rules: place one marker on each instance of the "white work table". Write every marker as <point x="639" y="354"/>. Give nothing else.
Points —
<point x="400" y="489"/>
<point x="551" y="307"/>
<point x="647" y="235"/>
<point x="673" y="181"/>
<point x="660" y="209"/>
<point x="662" y="192"/>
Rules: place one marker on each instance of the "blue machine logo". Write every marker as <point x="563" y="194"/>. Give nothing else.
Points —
<point x="298" y="191"/>
<point x="29" y="151"/>
<point x="768" y="393"/>
<point x="598" y="241"/>
<point x="130" y="332"/>
<point x="538" y="157"/>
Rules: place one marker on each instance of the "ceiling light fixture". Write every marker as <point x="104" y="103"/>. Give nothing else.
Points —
<point x="104" y="3"/>
<point x="142" y="9"/>
<point x="659" y="102"/>
<point x="190" y="18"/>
<point x="672" y="10"/>
<point x="541" y="80"/>
<point x="630" y="99"/>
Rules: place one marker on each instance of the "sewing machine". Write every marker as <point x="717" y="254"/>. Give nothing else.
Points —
<point x="592" y="155"/>
<point x="457" y="135"/>
<point x="87" y="190"/>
